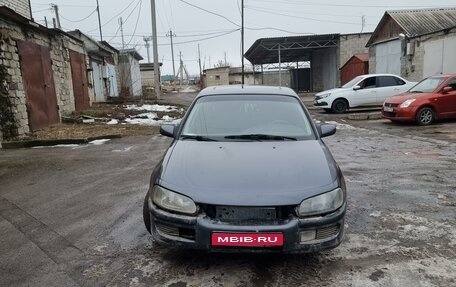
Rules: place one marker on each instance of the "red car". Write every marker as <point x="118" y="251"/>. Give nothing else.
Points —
<point x="431" y="99"/>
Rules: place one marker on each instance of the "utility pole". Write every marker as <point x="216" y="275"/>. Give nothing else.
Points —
<point x="121" y="32"/>
<point x="242" y="40"/>
<point x="170" y="34"/>
<point x="225" y="59"/>
<point x="181" y="70"/>
<point x="147" y="45"/>
<point x="155" y="47"/>
<point x="46" y="21"/>
<point x="199" y="62"/>
<point x="57" y="17"/>
<point x="363" y="22"/>
<point x="99" y="21"/>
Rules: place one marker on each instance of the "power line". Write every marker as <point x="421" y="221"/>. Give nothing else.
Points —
<point x="76" y="21"/>
<point x="115" y="16"/>
<point x="137" y="20"/>
<point x="347" y="5"/>
<point x="301" y="13"/>
<point x="305" y="18"/>
<point x="210" y="12"/>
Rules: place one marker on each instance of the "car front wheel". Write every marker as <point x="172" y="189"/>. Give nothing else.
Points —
<point x="339" y="106"/>
<point x="425" y="116"/>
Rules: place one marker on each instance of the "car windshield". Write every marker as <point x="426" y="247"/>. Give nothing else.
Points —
<point x="353" y="82"/>
<point x="428" y="85"/>
<point x="247" y="118"/>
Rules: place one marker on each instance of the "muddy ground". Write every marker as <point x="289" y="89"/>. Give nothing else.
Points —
<point x="72" y="216"/>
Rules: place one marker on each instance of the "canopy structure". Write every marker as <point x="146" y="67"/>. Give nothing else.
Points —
<point x="289" y="49"/>
<point x="304" y="63"/>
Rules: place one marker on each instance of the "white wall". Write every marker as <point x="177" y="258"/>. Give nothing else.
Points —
<point x="388" y="58"/>
<point x="439" y="57"/>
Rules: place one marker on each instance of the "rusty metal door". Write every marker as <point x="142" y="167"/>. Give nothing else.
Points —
<point x="79" y="77"/>
<point x="39" y="85"/>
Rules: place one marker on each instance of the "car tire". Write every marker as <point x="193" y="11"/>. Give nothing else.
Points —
<point x="425" y="116"/>
<point x="339" y="106"/>
<point x="146" y="214"/>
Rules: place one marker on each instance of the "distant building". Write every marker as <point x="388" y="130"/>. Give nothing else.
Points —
<point x="103" y="60"/>
<point x="414" y="43"/>
<point x="130" y="73"/>
<point x="148" y="74"/>
<point x="216" y="76"/>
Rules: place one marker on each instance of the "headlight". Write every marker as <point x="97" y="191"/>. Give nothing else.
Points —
<point x="172" y="201"/>
<point x="407" y="103"/>
<point x="321" y="204"/>
<point x="322" y="96"/>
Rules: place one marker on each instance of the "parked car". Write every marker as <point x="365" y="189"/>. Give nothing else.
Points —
<point x="247" y="171"/>
<point x="431" y="99"/>
<point x="362" y="91"/>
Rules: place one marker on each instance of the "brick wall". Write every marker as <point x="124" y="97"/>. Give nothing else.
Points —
<point x="19" y="6"/>
<point x="59" y="51"/>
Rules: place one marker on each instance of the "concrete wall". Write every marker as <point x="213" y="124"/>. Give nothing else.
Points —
<point x="271" y="78"/>
<point x="324" y="69"/>
<point x="59" y="51"/>
<point x="350" y="45"/>
<point x="147" y="78"/>
<point x="21" y="7"/>
<point x="217" y="76"/>
<point x="236" y="79"/>
<point x="413" y="66"/>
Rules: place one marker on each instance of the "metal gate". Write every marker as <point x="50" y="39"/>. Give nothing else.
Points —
<point x="39" y="85"/>
<point x="388" y="58"/>
<point x="439" y="57"/>
<point x="79" y="77"/>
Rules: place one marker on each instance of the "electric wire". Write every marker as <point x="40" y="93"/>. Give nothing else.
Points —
<point x="77" y="21"/>
<point x="137" y="21"/>
<point x="346" y="5"/>
<point x="115" y="16"/>
<point x="305" y="18"/>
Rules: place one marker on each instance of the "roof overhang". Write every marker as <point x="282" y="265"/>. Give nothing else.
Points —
<point x="292" y="49"/>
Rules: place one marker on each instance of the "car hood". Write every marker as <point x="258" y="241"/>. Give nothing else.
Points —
<point x="332" y="91"/>
<point x="249" y="173"/>
<point x="399" y="99"/>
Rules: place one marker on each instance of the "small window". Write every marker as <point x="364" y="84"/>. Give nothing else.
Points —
<point x="386" y="81"/>
<point x="368" y="83"/>
<point x="217" y="77"/>
<point x="399" y="82"/>
<point x="452" y="83"/>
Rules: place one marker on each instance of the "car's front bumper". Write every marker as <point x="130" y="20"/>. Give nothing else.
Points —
<point x="321" y="104"/>
<point x="400" y="114"/>
<point x="194" y="232"/>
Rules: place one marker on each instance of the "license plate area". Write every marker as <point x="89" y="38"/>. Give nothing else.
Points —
<point x="248" y="239"/>
<point x="235" y="213"/>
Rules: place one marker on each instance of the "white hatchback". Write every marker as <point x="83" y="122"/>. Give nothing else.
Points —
<point x="365" y="90"/>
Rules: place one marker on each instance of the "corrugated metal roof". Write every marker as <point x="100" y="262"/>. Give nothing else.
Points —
<point x="424" y="21"/>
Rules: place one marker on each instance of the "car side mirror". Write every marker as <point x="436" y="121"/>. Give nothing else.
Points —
<point x="326" y="130"/>
<point x="447" y="89"/>
<point x="355" y="88"/>
<point x="168" y="130"/>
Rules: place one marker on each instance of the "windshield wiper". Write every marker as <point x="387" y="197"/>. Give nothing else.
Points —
<point x="418" y="92"/>
<point x="198" y="138"/>
<point x="260" y="137"/>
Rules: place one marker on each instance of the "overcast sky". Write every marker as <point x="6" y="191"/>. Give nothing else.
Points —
<point x="218" y="36"/>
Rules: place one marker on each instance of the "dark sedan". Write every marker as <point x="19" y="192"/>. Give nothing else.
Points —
<point x="247" y="171"/>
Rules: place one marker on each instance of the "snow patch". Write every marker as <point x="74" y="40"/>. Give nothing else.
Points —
<point x="152" y="108"/>
<point x="99" y="142"/>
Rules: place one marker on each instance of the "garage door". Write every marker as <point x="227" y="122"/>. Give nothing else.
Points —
<point x="39" y="85"/>
<point x="439" y="57"/>
<point x="388" y="58"/>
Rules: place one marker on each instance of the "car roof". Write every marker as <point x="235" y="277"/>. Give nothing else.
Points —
<point x="370" y="75"/>
<point x="247" y="89"/>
